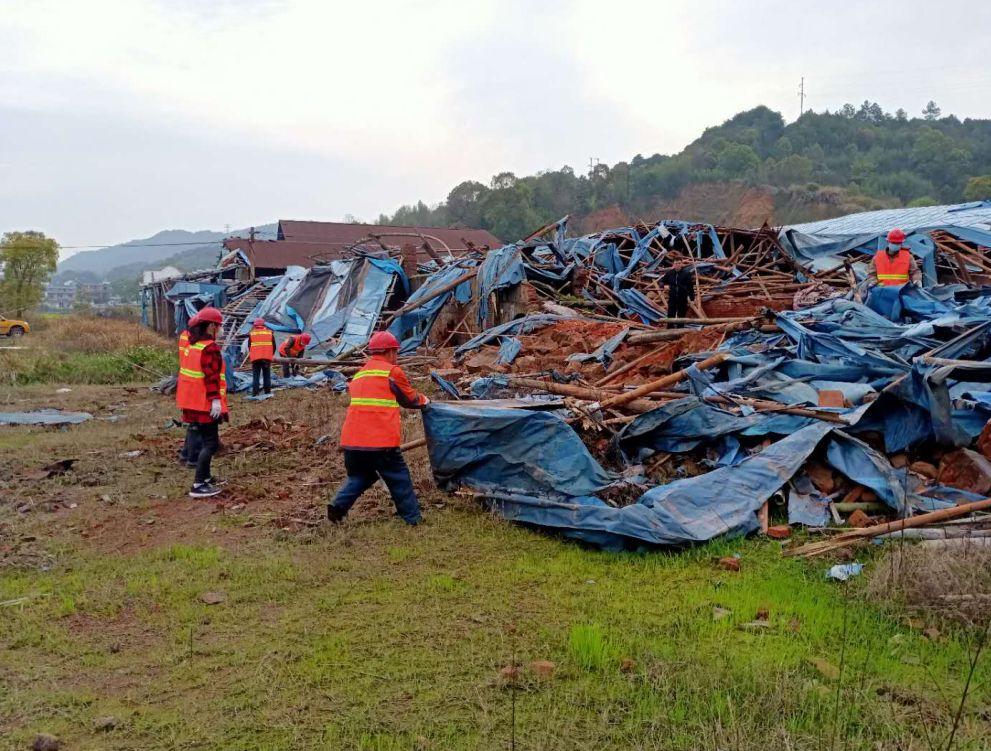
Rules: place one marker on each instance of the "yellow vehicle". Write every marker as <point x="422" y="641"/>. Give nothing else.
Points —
<point x="13" y="327"/>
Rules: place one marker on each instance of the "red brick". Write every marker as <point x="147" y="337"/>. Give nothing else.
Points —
<point x="967" y="470"/>
<point x="832" y="398"/>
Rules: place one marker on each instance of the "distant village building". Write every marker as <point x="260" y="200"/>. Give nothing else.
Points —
<point x="64" y="297"/>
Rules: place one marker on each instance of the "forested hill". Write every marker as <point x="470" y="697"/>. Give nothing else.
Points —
<point x="823" y="164"/>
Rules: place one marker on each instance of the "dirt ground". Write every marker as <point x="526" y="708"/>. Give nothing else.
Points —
<point x="133" y="617"/>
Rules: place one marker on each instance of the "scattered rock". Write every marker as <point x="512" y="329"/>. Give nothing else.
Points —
<point x="779" y="532"/>
<point x="719" y="613"/>
<point x="628" y="665"/>
<point x="967" y="470"/>
<point x="755" y="626"/>
<point x="509" y="673"/>
<point x="54" y="469"/>
<point x="105" y="724"/>
<point x="213" y="598"/>
<point x="825" y="668"/>
<point x="859" y="519"/>
<point x="763" y="614"/>
<point x="925" y="469"/>
<point x="932" y="633"/>
<point x="729" y="563"/>
<point x="543" y="668"/>
<point x="46" y="742"/>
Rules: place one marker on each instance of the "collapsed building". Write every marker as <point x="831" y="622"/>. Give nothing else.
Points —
<point x="787" y="389"/>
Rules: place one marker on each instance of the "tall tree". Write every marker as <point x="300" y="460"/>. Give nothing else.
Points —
<point x="932" y="111"/>
<point x="28" y="260"/>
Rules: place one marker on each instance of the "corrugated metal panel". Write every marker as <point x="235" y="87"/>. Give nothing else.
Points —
<point x="974" y="214"/>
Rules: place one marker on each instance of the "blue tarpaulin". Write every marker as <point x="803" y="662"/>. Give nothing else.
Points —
<point x="537" y="471"/>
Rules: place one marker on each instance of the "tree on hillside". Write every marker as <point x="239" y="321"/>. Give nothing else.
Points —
<point x="978" y="188"/>
<point x="28" y="260"/>
<point x="932" y="111"/>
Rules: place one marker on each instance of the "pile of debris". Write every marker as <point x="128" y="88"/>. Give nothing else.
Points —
<point x="784" y="390"/>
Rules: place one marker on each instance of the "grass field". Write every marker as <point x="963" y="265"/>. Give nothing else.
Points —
<point x="377" y="636"/>
<point x="80" y="349"/>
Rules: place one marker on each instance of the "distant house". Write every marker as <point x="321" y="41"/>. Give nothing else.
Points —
<point x="306" y="243"/>
<point x="60" y="297"/>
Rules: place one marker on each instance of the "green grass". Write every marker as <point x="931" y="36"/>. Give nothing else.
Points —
<point x="377" y="636"/>
<point x="28" y="367"/>
<point x="342" y="643"/>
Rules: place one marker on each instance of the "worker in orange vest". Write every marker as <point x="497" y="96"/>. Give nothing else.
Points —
<point x="371" y="434"/>
<point x="294" y="347"/>
<point x="261" y="350"/>
<point x="893" y="265"/>
<point x="190" y="446"/>
<point x="201" y="394"/>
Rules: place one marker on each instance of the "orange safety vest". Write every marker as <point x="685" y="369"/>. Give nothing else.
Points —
<point x="292" y="347"/>
<point x="190" y="390"/>
<point x="372" y="420"/>
<point x="892" y="272"/>
<point x="183" y="342"/>
<point x="261" y="344"/>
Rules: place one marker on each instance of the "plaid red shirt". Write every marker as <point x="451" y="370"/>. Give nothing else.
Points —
<point x="210" y="363"/>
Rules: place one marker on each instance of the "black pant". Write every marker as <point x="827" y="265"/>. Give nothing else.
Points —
<point x="209" y="439"/>
<point x="681" y="286"/>
<point x="365" y="467"/>
<point x="289" y="370"/>
<point x="190" y="451"/>
<point x="261" y="368"/>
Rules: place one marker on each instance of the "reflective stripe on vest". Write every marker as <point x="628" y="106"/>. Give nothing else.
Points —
<point x="372" y="420"/>
<point x="190" y="386"/>
<point x="892" y="271"/>
<point x="367" y="402"/>
<point x="261" y="344"/>
<point x="366" y="373"/>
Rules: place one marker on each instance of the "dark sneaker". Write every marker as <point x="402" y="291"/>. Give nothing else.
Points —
<point x="334" y="514"/>
<point x="204" y="490"/>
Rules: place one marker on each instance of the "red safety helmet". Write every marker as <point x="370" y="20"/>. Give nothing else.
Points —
<point x="259" y="322"/>
<point x="305" y="338"/>
<point x="382" y="341"/>
<point x="896" y="236"/>
<point x="209" y="315"/>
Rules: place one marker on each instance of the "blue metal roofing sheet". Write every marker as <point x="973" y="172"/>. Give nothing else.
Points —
<point x="973" y="214"/>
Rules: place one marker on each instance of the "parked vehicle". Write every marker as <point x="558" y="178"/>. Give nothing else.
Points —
<point x="13" y="327"/>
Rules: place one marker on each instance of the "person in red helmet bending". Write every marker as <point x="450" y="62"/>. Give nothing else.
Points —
<point x="201" y="394"/>
<point x="261" y="350"/>
<point x="893" y="265"/>
<point x="293" y="347"/>
<point x="371" y="434"/>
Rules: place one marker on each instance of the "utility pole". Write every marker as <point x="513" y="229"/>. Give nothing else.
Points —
<point x="592" y="161"/>
<point x="801" y="97"/>
<point x="227" y="229"/>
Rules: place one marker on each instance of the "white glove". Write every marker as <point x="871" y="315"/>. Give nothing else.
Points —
<point x="426" y="400"/>
<point x="215" y="409"/>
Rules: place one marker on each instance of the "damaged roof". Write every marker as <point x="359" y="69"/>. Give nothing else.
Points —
<point x="973" y="214"/>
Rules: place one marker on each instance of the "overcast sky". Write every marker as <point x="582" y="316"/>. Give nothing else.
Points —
<point x="119" y="119"/>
